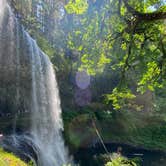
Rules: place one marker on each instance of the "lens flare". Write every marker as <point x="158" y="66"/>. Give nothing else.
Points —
<point x="82" y="79"/>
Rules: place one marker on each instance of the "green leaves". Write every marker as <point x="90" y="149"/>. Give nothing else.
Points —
<point x="120" y="161"/>
<point x="77" y="6"/>
<point x="149" y="79"/>
<point x="113" y="37"/>
<point x="119" y="97"/>
<point x="124" y="46"/>
<point x="103" y="60"/>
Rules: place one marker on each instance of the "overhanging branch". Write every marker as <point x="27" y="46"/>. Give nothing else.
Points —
<point x="158" y="15"/>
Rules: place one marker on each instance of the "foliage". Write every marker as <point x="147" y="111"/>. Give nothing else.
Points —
<point x="45" y="45"/>
<point x="120" y="161"/>
<point x="137" y="129"/>
<point x="148" y="78"/>
<point x="86" y="40"/>
<point x="77" y="6"/>
<point x="127" y="36"/>
<point x="151" y="136"/>
<point x="119" y="97"/>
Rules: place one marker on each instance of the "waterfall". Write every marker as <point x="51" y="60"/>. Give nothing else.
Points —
<point x="27" y="75"/>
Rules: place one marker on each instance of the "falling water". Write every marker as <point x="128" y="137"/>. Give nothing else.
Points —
<point x="31" y="80"/>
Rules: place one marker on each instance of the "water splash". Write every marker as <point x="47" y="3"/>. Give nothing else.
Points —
<point x="31" y="78"/>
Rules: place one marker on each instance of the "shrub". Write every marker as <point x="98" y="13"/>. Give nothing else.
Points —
<point x="120" y="161"/>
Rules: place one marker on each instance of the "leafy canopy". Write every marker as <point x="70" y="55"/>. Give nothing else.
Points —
<point x="77" y="6"/>
<point x="127" y="36"/>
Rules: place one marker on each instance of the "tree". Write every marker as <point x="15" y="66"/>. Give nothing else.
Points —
<point x="128" y="36"/>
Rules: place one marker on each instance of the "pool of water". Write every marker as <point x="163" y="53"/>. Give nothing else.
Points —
<point x="87" y="156"/>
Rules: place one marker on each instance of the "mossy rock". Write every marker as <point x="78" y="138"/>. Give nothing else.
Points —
<point x="8" y="159"/>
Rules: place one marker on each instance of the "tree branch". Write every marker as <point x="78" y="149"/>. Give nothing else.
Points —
<point x="158" y="15"/>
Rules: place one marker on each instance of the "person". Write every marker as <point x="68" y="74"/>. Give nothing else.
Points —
<point x="1" y="137"/>
<point x="117" y="154"/>
<point x="119" y="151"/>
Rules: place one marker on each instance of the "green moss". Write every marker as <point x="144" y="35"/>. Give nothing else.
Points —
<point x="8" y="159"/>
